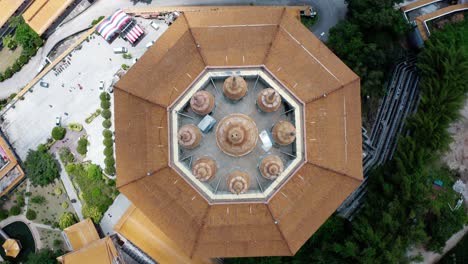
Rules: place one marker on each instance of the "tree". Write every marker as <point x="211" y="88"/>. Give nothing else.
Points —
<point x="104" y="96"/>
<point x="108" y="142"/>
<point x="106" y="113"/>
<point x="94" y="172"/>
<point x="82" y="147"/>
<point x="58" y="133"/>
<point x="9" y="42"/>
<point x="15" y="210"/>
<point x="66" y="220"/>
<point x="31" y="214"/>
<point x="41" y="168"/>
<point x="108" y="151"/>
<point x="105" y="104"/>
<point x="43" y="256"/>
<point x="106" y="123"/>
<point x="92" y="212"/>
<point x="107" y="133"/>
<point x="66" y="156"/>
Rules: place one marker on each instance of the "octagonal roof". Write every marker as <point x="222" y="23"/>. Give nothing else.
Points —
<point x="270" y="37"/>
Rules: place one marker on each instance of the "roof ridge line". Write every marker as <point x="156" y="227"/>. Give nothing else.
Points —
<point x="141" y="177"/>
<point x="275" y="37"/>
<point x="279" y="229"/>
<point x="334" y="171"/>
<point x="139" y="97"/>
<point x="332" y="91"/>
<point x="197" y="236"/>
<point x="194" y="41"/>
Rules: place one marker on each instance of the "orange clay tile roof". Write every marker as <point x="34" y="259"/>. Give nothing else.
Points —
<point x="81" y="234"/>
<point x="7" y="9"/>
<point x="42" y="13"/>
<point x="272" y="37"/>
<point x="421" y="20"/>
<point x="416" y="4"/>
<point x="154" y="242"/>
<point x="101" y="251"/>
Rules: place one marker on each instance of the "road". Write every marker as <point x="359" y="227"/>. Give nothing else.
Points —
<point x="330" y="12"/>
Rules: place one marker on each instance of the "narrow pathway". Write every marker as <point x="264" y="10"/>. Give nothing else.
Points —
<point x="26" y="200"/>
<point x="70" y="190"/>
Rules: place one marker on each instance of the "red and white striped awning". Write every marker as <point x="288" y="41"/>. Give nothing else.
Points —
<point x="135" y="33"/>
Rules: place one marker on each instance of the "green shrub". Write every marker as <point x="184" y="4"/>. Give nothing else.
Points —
<point x="66" y="156"/>
<point x="96" y="21"/>
<point x="106" y="113"/>
<point x="75" y="126"/>
<point x="3" y="214"/>
<point x="109" y="161"/>
<point x="92" y="212"/>
<point x="90" y="118"/>
<point x="125" y="66"/>
<point x="66" y="220"/>
<point x="106" y="123"/>
<point x="15" y="210"/>
<point x="70" y="168"/>
<point x="94" y="172"/>
<point x="27" y="194"/>
<point x="107" y="133"/>
<point x="105" y="104"/>
<point x="65" y="205"/>
<point x="108" y="151"/>
<point x="58" y="133"/>
<point x="57" y="243"/>
<point x="110" y="170"/>
<point x="96" y="192"/>
<point x="38" y="199"/>
<point x="108" y="142"/>
<point x="104" y="96"/>
<point x="127" y="56"/>
<point x="20" y="200"/>
<point x="58" y="191"/>
<point x="82" y="147"/>
<point x="31" y="214"/>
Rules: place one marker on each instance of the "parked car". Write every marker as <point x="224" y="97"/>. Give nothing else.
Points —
<point x="44" y="84"/>
<point x="101" y="85"/>
<point x="120" y="50"/>
<point x="58" y="119"/>
<point x="149" y="44"/>
<point x="154" y="25"/>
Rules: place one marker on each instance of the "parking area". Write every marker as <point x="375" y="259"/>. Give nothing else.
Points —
<point x="73" y="93"/>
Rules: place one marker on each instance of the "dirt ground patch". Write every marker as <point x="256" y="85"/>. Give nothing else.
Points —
<point x="50" y="212"/>
<point x="49" y="238"/>
<point x="9" y="57"/>
<point x="457" y="156"/>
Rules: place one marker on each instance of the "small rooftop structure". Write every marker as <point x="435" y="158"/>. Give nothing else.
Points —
<point x="81" y="234"/>
<point x="12" y="247"/>
<point x="41" y="14"/>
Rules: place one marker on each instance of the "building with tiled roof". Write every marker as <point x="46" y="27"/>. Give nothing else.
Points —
<point x="41" y="14"/>
<point x="236" y="207"/>
<point x="11" y="174"/>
